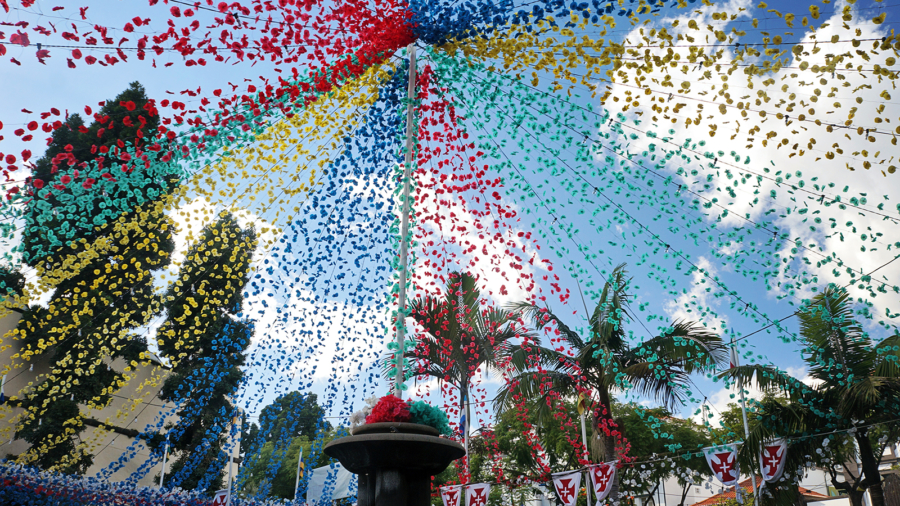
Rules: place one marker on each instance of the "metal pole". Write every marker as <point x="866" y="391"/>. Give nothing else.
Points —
<point x="236" y="421"/>
<point x="297" y="483"/>
<point x="404" y="218"/>
<point x="587" y="485"/>
<point x="165" y="456"/>
<point x="466" y="428"/>
<point x="746" y="426"/>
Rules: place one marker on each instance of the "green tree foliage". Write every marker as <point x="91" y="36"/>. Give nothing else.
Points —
<point x="856" y="384"/>
<point x="282" y="485"/>
<point x="205" y="339"/>
<point x="655" y="431"/>
<point x="291" y="421"/>
<point x="658" y="367"/>
<point x="518" y="457"/>
<point x="294" y="414"/>
<point x="460" y="336"/>
<point x="12" y="281"/>
<point x="94" y="314"/>
<point x="56" y="214"/>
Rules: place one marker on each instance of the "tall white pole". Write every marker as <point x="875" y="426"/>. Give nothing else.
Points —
<point x="297" y="483"/>
<point x="165" y="456"/>
<point x="404" y="217"/>
<point x="466" y="429"/>
<point x="746" y="425"/>
<point x="587" y="484"/>
<point x="237" y="422"/>
<point x="737" y="485"/>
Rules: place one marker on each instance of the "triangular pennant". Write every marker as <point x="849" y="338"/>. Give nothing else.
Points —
<point x="772" y="458"/>
<point x="602" y="478"/>
<point x="567" y="486"/>
<point x="450" y="495"/>
<point x="722" y="461"/>
<point x="477" y="494"/>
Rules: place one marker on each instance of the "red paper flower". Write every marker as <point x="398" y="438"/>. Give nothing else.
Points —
<point x="390" y="408"/>
<point x="37" y="183"/>
<point x="20" y="38"/>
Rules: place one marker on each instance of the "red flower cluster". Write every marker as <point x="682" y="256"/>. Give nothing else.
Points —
<point x="390" y="408"/>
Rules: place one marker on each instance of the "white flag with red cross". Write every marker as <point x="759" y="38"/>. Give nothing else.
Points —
<point x="567" y="486"/>
<point x="602" y="477"/>
<point x="773" y="457"/>
<point x="221" y="498"/>
<point x="451" y="494"/>
<point x="477" y="494"/>
<point x="723" y="462"/>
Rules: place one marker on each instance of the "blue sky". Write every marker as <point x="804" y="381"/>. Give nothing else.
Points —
<point x="37" y="87"/>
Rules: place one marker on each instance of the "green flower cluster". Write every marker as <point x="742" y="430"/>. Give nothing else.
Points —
<point x="426" y="414"/>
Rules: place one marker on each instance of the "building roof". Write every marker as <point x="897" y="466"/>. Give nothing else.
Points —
<point x="747" y="486"/>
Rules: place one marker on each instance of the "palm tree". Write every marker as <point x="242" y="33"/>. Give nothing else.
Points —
<point x="604" y="362"/>
<point x="459" y="335"/>
<point x="856" y="383"/>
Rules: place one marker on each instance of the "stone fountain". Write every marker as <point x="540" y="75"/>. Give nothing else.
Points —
<point x="394" y="461"/>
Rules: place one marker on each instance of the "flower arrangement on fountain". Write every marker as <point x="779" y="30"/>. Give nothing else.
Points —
<point x="391" y="408"/>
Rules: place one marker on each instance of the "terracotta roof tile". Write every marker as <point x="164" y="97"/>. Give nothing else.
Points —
<point x="747" y="486"/>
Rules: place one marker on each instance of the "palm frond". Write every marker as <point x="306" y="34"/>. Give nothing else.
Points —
<point x="690" y="345"/>
<point x="837" y="346"/>
<point x="665" y="384"/>
<point x="608" y="319"/>
<point x="532" y="386"/>
<point x="541" y="317"/>
<point x="887" y="357"/>
<point x="768" y="379"/>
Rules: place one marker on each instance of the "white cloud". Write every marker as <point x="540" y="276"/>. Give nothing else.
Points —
<point x="860" y="242"/>
<point x="698" y="304"/>
<point x="471" y="242"/>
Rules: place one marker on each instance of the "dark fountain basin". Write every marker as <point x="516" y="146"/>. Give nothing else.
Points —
<point x="394" y="461"/>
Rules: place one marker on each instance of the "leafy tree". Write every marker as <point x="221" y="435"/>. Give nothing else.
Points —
<point x="604" y="362"/>
<point x="554" y="435"/>
<point x="655" y="431"/>
<point x="294" y="413"/>
<point x="857" y="384"/>
<point x="459" y="335"/>
<point x="205" y="339"/>
<point x="12" y="281"/>
<point x="59" y="211"/>
<point x="97" y="307"/>
<point x="286" y="422"/>
<point x="282" y="485"/>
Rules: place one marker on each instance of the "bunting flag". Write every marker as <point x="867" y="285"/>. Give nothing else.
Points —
<point x="733" y="358"/>
<point x="582" y="404"/>
<point x="477" y="494"/>
<point x="462" y="417"/>
<point x="772" y="459"/>
<point x="450" y="495"/>
<point x="567" y="485"/>
<point x="723" y="462"/>
<point x="602" y="477"/>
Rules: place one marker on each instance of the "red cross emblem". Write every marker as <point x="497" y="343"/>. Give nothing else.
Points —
<point x="566" y="489"/>
<point x="221" y="498"/>
<point x="723" y="465"/>
<point x="451" y="496"/>
<point x="772" y="459"/>
<point x="479" y="497"/>
<point x="602" y="475"/>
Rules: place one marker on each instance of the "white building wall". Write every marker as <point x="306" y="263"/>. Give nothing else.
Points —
<point x="135" y="406"/>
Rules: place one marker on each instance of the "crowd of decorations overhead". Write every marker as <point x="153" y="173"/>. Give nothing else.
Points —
<point x="553" y="139"/>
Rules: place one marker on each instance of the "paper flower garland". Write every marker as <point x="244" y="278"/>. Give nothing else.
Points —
<point x="516" y="175"/>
